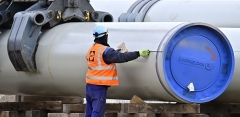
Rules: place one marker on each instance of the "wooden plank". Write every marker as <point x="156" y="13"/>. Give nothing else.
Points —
<point x="221" y="115"/>
<point x="113" y="108"/>
<point x="133" y="115"/>
<point x="73" y="108"/>
<point x="110" y="115"/>
<point x="21" y="114"/>
<point x="8" y="114"/>
<point x="163" y="108"/>
<point x="34" y="113"/>
<point x="220" y="108"/>
<point x="138" y="108"/>
<point x="13" y="114"/>
<point x="143" y="115"/>
<point x="21" y="106"/>
<point x="124" y="108"/>
<point x="166" y="115"/>
<point x="4" y="113"/>
<point x="216" y="115"/>
<point x="58" y="115"/>
<point x="148" y="115"/>
<point x="195" y="115"/>
<point x="64" y="100"/>
<point x="80" y="108"/>
<point x="38" y="113"/>
<point x="65" y="115"/>
<point x="125" y="115"/>
<point x="76" y="115"/>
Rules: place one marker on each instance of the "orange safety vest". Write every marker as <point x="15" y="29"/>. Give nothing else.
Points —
<point x="100" y="73"/>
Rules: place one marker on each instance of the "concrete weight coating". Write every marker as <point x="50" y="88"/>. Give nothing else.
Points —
<point x="221" y="13"/>
<point x="61" y="62"/>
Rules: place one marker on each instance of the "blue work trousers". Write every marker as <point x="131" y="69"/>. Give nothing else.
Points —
<point x="96" y="100"/>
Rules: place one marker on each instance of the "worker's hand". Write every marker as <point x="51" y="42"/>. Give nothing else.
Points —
<point x="144" y="53"/>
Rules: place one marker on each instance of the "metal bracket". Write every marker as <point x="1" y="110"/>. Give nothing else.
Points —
<point x="7" y="10"/>
<point x="27" y="25"/>
<point x="22" y="43"/>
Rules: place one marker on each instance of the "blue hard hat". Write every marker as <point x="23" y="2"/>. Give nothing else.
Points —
<point x="99" y="31"/>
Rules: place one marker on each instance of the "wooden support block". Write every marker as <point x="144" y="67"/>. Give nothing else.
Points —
<point x="28" y="114"/>
<point x="125" y="115"/>
<point x="163" y="108"/>
<point x="135" y="115"/>
<point x="220" y="115"/>
<point x="195" y="115"/>
<point x="215" y="115"/>
<point x="138" y="108"/>
<point x="76" y="115"/>
<point x="58" y="115"/>
<point x="135" y="99"/>
<point x="124" y="108"/>
<point x="65" y="115"/>
<point x="8" y="114"/>
<point x="220" y="108"/>
<point x="178" y="115"/>
<point x="110" y="115"/>
<point x="36" y="113"/>
<point x="4" y="113"/>
<point x="80" y="108"/>
<point x="13" y="114"/>
<point x="64" y="100"/>
<point x="21" y="114"/>
<point x="21" y="106"/>
<point x="229" y="115"/>
<point x="166" y="115"/>
<point x="143" y="115"/>
<point x="73" y="108"/>
<point x="113" y="108"/>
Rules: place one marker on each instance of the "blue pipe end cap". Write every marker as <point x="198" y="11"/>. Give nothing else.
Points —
<point x="198" y="63"/>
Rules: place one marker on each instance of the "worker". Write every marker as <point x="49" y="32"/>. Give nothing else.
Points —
<point x="102" y="72"/>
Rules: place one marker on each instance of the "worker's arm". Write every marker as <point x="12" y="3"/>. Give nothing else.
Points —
<point x="113" y="56"/>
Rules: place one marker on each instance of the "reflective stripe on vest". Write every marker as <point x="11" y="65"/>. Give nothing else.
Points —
<point x="99" y="54"/>
<point x="99" y="72"/>
<point x="102" y="78"/>
<point x="102" y="68"/>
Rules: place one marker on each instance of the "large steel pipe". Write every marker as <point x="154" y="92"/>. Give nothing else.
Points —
<point x="192" y="54"/>
<point x="114" y="7"/>
<point x="232" y="93"/>
<point x="222" y="13"/>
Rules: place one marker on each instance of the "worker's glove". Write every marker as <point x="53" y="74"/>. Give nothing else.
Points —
<point x="144" y="53"/>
